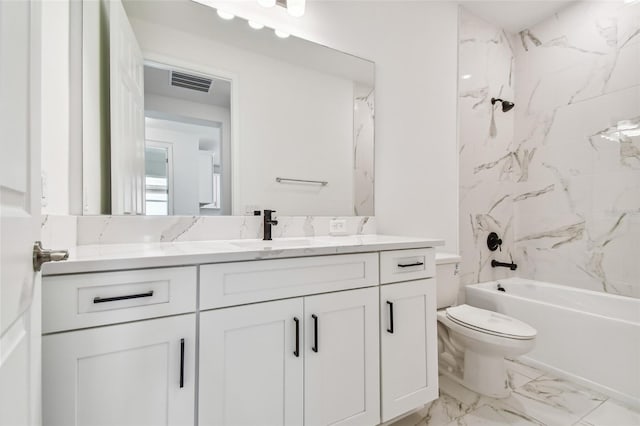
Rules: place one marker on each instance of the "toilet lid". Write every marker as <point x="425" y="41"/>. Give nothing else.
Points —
<point x="490" y="322"/>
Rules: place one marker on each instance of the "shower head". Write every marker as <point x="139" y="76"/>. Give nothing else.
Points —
<point x="506" y="105"/>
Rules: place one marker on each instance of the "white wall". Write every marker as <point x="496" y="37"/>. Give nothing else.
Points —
<point x="414" y="45"/>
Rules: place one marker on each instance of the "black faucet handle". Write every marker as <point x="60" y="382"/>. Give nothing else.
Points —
<point x="494" y="242"/>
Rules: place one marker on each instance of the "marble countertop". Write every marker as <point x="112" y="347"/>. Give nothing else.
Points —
<point x="110" y="257"/>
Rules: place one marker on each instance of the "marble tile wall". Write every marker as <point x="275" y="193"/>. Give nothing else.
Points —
<point x="560" y="180"/>
<point x="489" y="169"/>
<point x="363" y="151"/>
<point x="578" y="212"/>
<point x="66" y="231"/>
<point x="58" y="231"/>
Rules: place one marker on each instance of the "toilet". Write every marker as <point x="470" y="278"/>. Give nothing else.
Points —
<point x="472" y="342"/>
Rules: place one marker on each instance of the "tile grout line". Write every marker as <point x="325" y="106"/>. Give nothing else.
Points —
<point x="591" y="411"/>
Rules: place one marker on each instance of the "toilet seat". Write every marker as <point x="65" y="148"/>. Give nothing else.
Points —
<point x="490" y="322"/>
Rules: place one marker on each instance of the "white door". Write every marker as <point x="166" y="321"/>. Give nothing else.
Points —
<point x="158" y="178"/>
<point x="127" y="115"/>
<point x="19" y="212"/>
<point x="135" y="374"/>
<point x="342" y="358"/>
<point x="205" y="177"/>
<point x="251" y="369"/>
<point x="408" y="342"/>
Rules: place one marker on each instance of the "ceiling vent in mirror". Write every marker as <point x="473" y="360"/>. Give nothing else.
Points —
<point x="191" y="82"/>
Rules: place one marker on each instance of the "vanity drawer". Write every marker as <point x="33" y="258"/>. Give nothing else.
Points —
<point x="88" y="300"/>
<point x="406" y="265"/>
<point x="229" y="284"/>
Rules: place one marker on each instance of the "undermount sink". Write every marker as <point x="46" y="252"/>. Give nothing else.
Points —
<point x="274" y="244"/>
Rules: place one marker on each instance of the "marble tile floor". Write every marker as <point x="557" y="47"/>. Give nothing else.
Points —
<point x="537" y="399"/>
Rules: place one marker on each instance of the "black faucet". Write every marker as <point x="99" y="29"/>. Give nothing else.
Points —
<point x="512" y="266"/>
<point x="268" y="223"/>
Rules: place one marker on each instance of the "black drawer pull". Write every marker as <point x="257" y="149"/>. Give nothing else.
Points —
<point x="181" y="363"/>
<point x="315" y="333"/>
<point x="390" y="329"/>
<point x="129" y="296"/>
<point x="410" y="265"/>
<point x="297" y="351"/>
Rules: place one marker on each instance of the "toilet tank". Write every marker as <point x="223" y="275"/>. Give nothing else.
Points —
<point x="447" y="279"/>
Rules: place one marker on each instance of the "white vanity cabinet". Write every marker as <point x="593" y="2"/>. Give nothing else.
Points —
<point x="408" y="341"/>
<point x="249" y="373"/>
<point x="99" y="370"/>
<point x="311" y="360"/>
<point x="334" y="339"/>
<point x="140" y="373"/>
<point x="341" y="350"/>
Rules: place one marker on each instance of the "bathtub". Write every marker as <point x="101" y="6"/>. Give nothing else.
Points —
<point x="588" y="337"/>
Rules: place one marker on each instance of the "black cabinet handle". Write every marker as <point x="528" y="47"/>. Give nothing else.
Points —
<point x="181" y="363"/>
<point x="297" y="351"/>
<point x="129" y="296"/>
<point x="410" y="265"/>
<point x="315" y="333"/>
<point x="390" y="329"/>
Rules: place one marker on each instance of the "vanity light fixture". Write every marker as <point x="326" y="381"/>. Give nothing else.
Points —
<point x="281" y="34"/>
<point x="225" y="15"/>
<point x="256" y="25"/>
<point x="295" y="8"/>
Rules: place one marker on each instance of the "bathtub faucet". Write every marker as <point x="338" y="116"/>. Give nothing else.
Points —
<point x="512" y="266"/>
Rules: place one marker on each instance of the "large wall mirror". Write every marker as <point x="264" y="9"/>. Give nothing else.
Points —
<point x="186" y="113"/>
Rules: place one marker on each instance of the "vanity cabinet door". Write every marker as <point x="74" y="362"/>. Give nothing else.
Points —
<point x="408" y="346"/>
<point x="251" y="370"/>
<point x="141" y="373"/>
<point x="342" y="358"/>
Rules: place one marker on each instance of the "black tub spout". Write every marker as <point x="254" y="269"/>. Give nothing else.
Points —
<point x="512" y="266"/>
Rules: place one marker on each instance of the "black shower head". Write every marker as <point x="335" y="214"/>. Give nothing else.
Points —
<point x="506" y="105"/>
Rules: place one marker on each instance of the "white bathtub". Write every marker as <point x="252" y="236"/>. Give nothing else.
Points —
<point x="589" y="337"/>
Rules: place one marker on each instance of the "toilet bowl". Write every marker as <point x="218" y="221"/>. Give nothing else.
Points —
<point x="473" y="342"/>
<point x="483" y="339"/>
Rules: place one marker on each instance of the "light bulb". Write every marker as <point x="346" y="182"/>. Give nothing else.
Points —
<point x="256" y="25"/>
<point x="267" y="3"/>
<point x="226" y="15"/>
<point x="282" y="34"/>
<point x="296" y="7"/>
